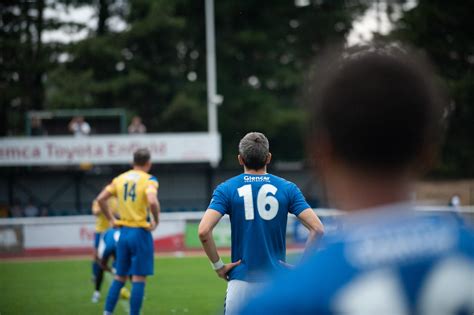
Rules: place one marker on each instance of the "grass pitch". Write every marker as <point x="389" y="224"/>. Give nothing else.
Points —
<point x="180" y="286"/>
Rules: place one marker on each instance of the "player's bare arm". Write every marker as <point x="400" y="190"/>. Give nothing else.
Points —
<point x="102" y="200"/>
<point x="206" y="226"/>
<point x="311" y="221"/>
<point x="95" y="208"/>
<point x="155" y="209"/>
<point x="103" y="264"/>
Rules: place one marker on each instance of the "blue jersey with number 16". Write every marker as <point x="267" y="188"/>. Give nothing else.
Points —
<point x="258" y="207"/>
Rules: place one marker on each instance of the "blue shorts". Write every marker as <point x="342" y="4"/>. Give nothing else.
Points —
<point x="134" y="252"/>
<point x="108" y="244"/>
<point x="97" y="236"/>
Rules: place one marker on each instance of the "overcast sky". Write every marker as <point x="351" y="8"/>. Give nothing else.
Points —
<point x="84" y="15"/>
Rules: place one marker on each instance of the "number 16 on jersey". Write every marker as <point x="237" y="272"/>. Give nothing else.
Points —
<point x="267" y="204"/>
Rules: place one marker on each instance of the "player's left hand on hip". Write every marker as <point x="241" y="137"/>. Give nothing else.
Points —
<point x="152" y="226"/>
<point x="113" y="223"/>
<point x="222" y="273"/>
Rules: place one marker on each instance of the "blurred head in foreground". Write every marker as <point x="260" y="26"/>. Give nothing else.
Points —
<point x="376" y="118"/>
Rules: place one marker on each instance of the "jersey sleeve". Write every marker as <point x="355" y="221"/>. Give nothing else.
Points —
<point x="152" y="185"/>
<point x="112" y="187"/>
<point x="298" y="203"/>
<point x="220" y="200"/>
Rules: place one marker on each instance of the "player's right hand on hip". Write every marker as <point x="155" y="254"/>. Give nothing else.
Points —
<point x="222" y="273"/>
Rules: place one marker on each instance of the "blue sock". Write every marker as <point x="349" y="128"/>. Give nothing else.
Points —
<point x="95" y="269"/>
<point x="136" y="299"/>
<point x="113" y="295"/>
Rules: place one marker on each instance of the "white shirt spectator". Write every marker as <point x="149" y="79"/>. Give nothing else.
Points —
<point x="79" y="127"/>
<point x="136" y="127"/>
<point x="31" y="210"/>
<point x="455" y="201"/>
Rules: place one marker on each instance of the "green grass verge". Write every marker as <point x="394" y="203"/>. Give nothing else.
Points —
<point x="179" y="286"/>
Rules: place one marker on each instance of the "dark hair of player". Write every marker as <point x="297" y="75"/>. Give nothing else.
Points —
<point x="379" y="107"/>
<point x="254" y="149"/>
<point x="141" y="157"/>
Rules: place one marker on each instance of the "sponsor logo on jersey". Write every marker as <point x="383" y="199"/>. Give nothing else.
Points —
<point x="256" y="178"/>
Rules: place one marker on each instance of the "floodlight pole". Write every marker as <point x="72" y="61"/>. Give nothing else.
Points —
<point x="212" y="97"/>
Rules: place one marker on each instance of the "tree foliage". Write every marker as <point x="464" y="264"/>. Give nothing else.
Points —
<point x="444" y="31"/>
<point x="23" y="60"/>
<point x="155" y="67"/>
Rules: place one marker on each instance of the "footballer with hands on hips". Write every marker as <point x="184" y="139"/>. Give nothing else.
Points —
<point x="137" y="193"/>
<point x="258" y="204"/>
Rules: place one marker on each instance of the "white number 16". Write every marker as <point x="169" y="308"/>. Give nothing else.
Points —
<point x="264" y="199"/>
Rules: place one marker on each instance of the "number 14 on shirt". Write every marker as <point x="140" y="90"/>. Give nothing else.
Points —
<point x="129" y="193"/>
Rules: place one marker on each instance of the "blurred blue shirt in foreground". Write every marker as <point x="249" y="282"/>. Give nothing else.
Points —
<point x="387" y="261"/>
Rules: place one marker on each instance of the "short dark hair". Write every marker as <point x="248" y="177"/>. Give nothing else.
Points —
<point x="379" y="106"/>
<point x="254" y="149"/>
<point x="141" y="156"/>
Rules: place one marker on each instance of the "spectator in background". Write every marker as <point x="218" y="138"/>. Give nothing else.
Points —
<point x="31" y="210"/>
<point x="79" y="127"/>
<point x="37" y="128"/>
<point x="136" y="126"/>
<point x="44" y="212"/>
<point x="455" y="201"/>
<point x="16" y="210"/>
